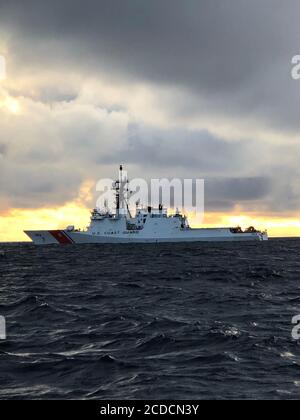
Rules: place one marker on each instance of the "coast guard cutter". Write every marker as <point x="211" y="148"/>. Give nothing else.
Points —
<point x="148" y="225"/>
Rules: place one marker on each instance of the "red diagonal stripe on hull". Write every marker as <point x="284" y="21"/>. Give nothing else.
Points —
<point x="60" y="237"/>
<point x="69" y="237"/>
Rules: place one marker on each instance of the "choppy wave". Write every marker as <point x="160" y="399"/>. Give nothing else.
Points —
<point x="161" y="322"/>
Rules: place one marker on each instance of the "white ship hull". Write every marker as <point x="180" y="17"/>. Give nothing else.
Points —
<point x="64" y="237"/>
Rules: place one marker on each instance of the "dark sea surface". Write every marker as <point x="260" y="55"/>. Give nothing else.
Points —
<point x="200" y="321"/>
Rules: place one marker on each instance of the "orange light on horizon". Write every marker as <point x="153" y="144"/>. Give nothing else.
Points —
<point x="15" y="221"/>
<point x="276" y="226"/>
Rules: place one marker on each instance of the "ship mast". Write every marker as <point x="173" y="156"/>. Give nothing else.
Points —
<point x="122" y="194"/>
<point x="120" y="189"/>
<point x="116" y="187"/>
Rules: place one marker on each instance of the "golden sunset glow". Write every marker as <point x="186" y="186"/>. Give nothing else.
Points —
<point x="15" y="221"/>
<point x="276" y="226"/>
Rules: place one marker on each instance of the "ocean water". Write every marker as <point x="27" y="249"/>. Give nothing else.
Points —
<point x="200" y="321"/>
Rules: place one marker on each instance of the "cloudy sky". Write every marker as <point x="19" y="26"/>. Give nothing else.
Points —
<point x="195" y="88"/>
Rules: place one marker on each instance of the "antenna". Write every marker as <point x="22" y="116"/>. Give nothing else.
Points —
<point x="120" y="186"/>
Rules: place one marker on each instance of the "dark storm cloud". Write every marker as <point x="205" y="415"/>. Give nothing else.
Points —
<point x="234" y="54"/>
<point x="196" y="151"/>
<point x="238" y="188"/>
<point x="224" y="193"/>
